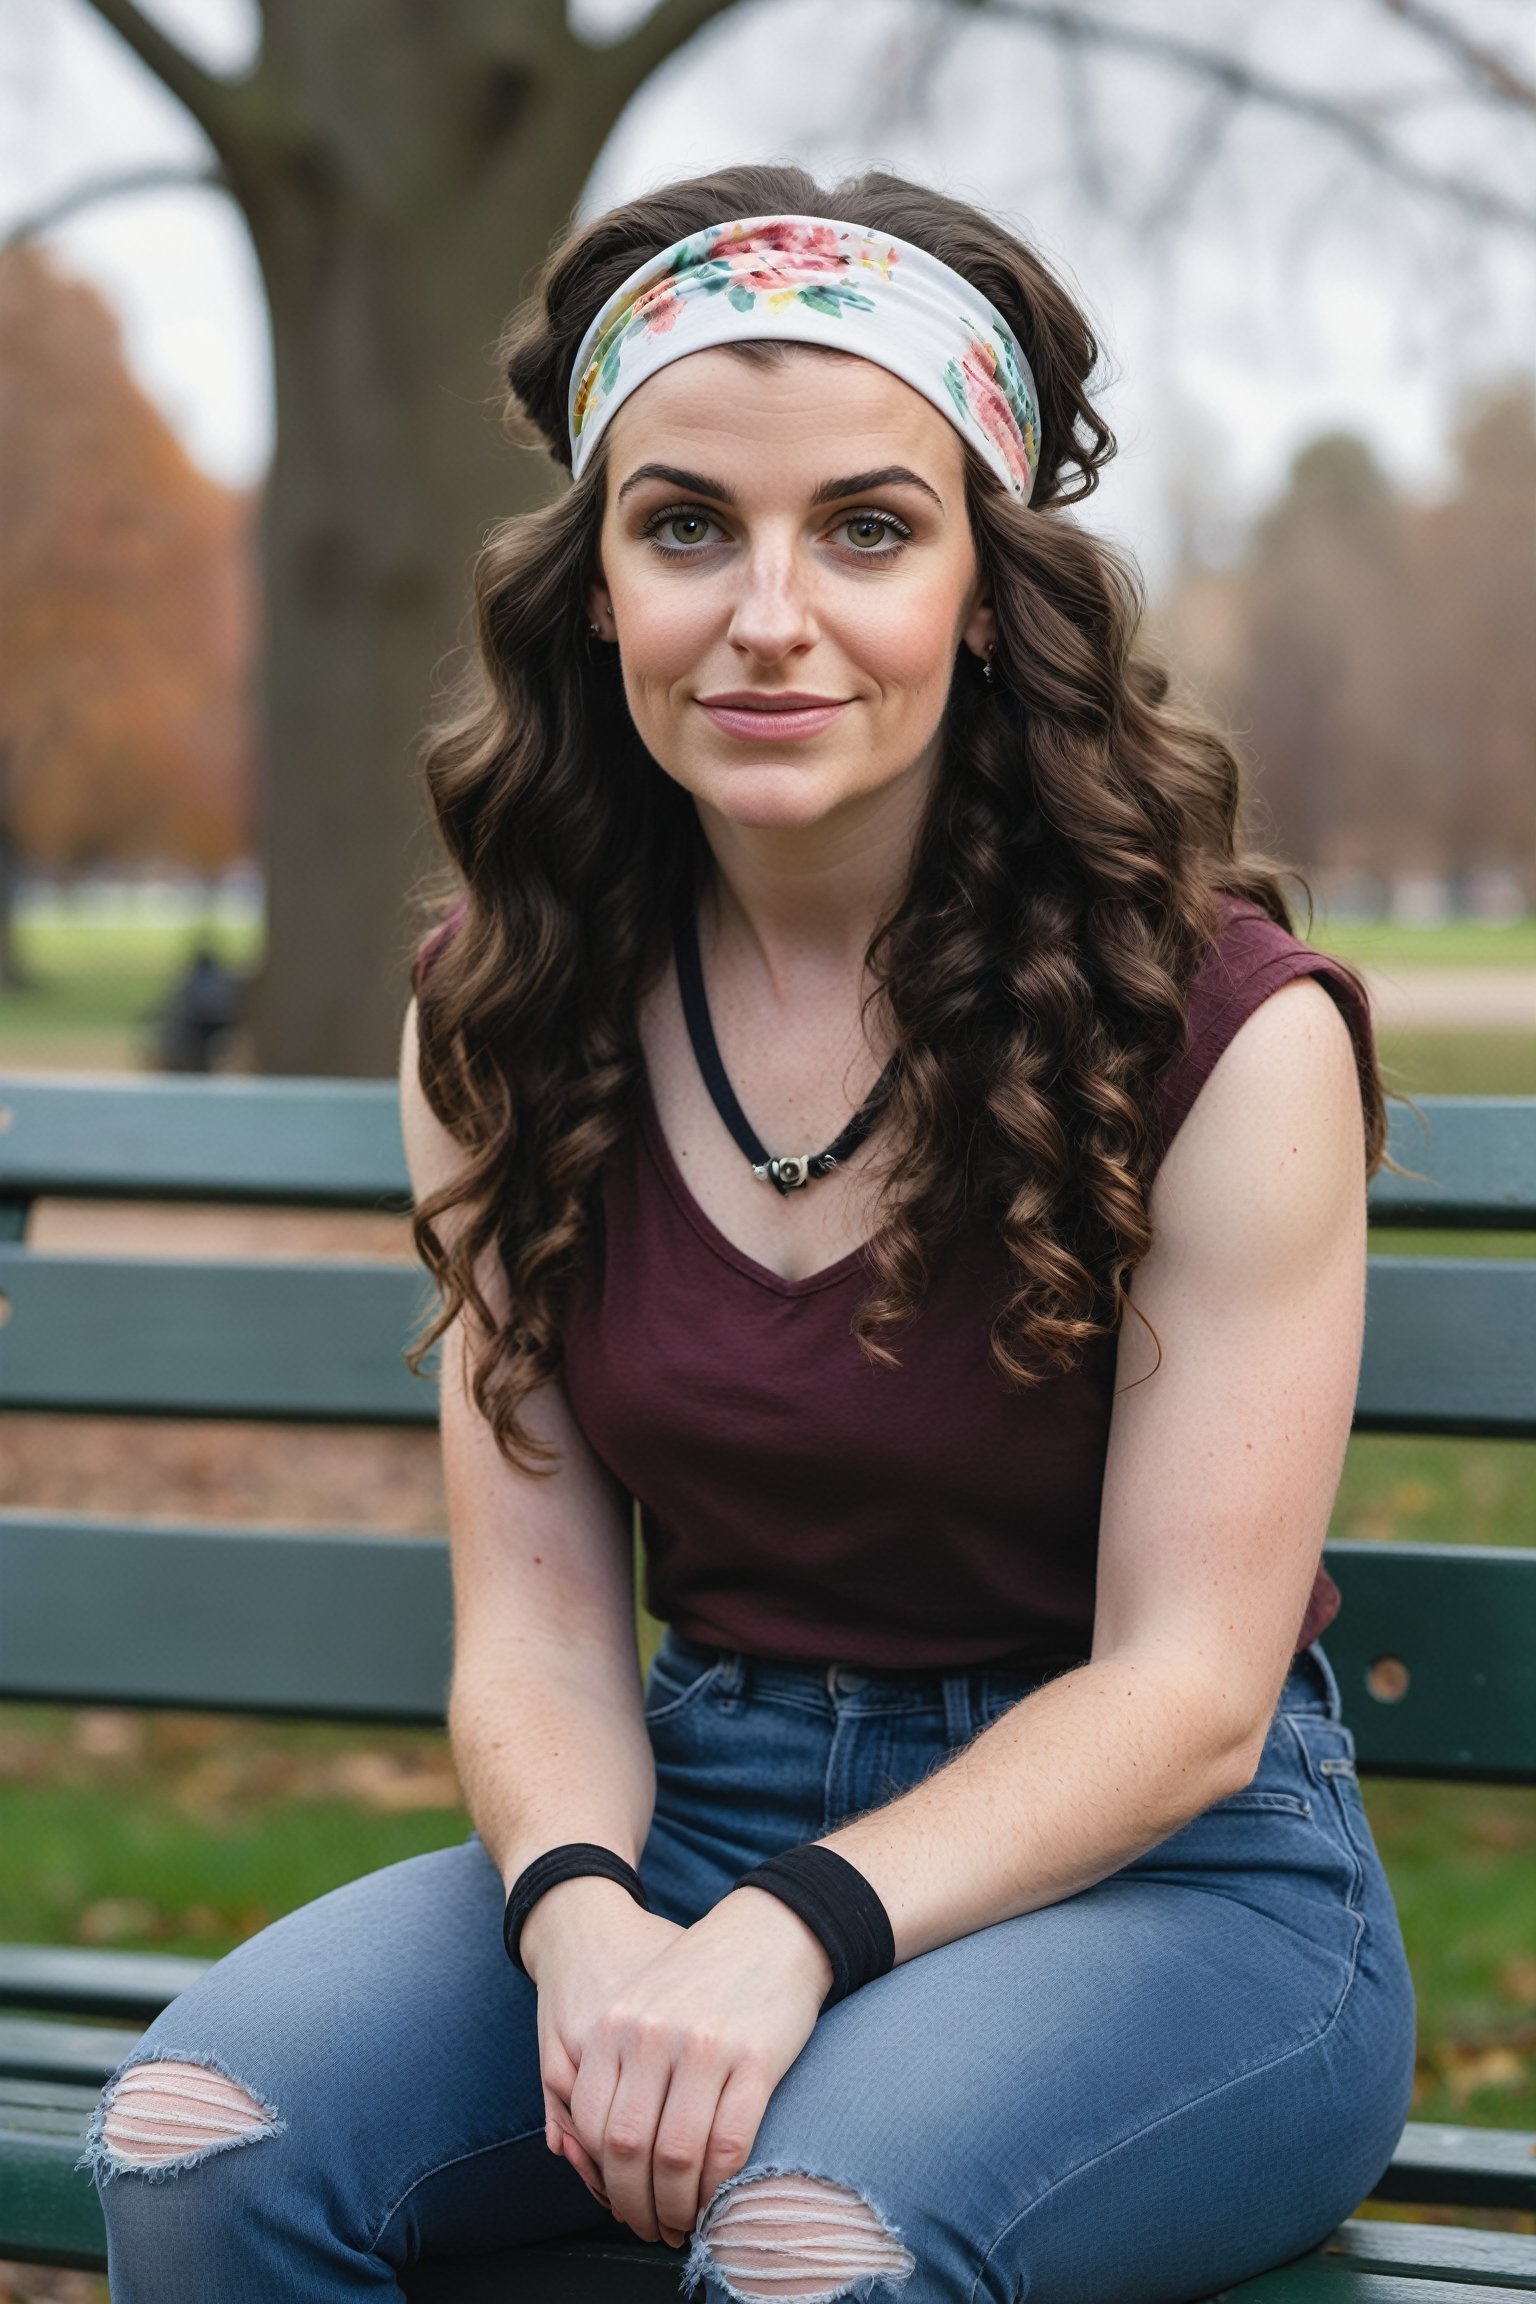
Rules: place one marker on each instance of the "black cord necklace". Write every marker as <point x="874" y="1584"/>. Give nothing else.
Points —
<point x="786" y="1172"/>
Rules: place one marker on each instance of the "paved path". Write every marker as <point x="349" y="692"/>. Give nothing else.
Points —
<point x="1454" y="999"/>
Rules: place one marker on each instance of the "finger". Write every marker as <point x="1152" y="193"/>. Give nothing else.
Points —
<point x="677" y="2163"/>
<point x="738" y="2116"/>
<point x="629" y="2141"/>
<point x="557" y="2121"/>
<point x="587" y="2170"/>
<point x="589" y="2099"/>
<point x="557" y="2070"/>
<point x="563" y="2141"/>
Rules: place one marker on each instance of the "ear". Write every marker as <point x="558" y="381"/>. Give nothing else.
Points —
<point x="600" y="609"/>
<point x="979" y="631"/>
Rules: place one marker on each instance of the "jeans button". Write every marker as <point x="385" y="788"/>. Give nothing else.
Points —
<point x="846" y="1682"/>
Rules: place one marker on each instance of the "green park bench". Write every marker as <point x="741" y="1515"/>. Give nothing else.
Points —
<point x="1435" y="1648"/>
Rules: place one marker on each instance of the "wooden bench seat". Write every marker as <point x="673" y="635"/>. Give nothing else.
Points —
<point x="1435" y="1647"/>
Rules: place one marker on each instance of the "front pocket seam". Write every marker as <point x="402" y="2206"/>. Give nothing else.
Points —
<point x="1287" y="1803"/>
<point x="675" y="1704"/>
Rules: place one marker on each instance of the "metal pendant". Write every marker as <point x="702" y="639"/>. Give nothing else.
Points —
<point x="785" y="1175"/>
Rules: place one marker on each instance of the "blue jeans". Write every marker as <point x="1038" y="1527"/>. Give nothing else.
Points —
<point x="1180" y="2076"/>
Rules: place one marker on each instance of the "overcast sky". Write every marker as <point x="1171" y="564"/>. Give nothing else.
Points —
<point x="1298" y="292"/>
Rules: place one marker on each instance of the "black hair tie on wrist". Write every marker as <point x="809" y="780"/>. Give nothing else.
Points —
<point x="839" y="1907"/>
<point x="573" y="1860"/>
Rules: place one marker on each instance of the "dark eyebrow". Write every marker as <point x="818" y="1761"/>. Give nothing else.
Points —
<point x="830" y="491"/>
<point x="860" y="483"/>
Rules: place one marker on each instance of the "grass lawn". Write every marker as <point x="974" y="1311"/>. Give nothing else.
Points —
<point x="1459" y="1063"/>
<point x="1459" y="944"/>
<point x="101" y="974"/>
<point x="99" y="970"/>
<point x="187" y="1833"/>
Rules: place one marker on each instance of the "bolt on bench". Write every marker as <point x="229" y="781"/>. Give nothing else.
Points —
<point x="1435" y="1647"/>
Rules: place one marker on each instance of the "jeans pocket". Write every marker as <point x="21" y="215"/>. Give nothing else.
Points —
<point x="1266" y="1802"/>
<point x="1328" y="1748"/>
<point x="680" y="1673"/>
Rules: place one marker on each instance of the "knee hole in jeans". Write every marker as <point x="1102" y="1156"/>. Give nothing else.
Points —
<point x="797" y="2237"/>
<point x="163" y="2111"/>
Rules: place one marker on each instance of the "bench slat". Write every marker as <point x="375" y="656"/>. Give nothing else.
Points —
<point x="77" y="1980"/>
<point x="1450" y="1346"/>
<point x="49" y="2212"/>
<point x="252" y="1620"/>
<point x="330" y="1143"/>
<point x="33" y="2050"/>
<point x="296" y="1340"/>
<point x="1318" y="2279"/>
<point x="1462" y="1619"/>
<point x="343" y="1626"/>
<point x="1507" y="2259"/>
<point x="1437" y="2165"/>
<point x="1476" y="1163"/>
<point x="1450" y="1341"/>
<point x="337" y="1143"/>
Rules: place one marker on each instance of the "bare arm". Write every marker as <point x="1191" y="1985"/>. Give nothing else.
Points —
<point x="1224" y="1456"/>
<point x="545" y="1711"/>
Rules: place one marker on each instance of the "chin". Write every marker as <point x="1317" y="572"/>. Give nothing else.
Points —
<point x="769" y="796"/>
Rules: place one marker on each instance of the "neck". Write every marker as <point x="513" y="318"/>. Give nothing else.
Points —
<point x="809" y="898"/>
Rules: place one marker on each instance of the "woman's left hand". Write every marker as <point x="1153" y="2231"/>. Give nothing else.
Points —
<point x="674" y="2078"/>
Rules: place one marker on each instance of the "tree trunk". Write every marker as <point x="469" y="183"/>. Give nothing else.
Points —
<point x="404" y="168"/>
<point x="393" y="245"/>
<point x="14" y="975"/>
<point x="389" y="469"/>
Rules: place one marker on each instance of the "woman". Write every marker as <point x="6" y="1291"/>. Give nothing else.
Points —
<point x="985" y="1413"/>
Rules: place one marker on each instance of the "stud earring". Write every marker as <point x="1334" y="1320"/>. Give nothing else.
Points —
<point x="593" y="629"/>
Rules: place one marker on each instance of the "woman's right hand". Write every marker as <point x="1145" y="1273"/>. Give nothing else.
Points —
<point x="582" y="1943"/>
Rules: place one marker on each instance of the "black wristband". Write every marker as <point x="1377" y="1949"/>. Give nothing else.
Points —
<point x="574" y="1860"/>
<point x="839" y="1907"/>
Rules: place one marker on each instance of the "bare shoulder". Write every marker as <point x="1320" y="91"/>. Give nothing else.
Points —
<point x="1271" y="1160"/>
<point x="431" y="1154"/>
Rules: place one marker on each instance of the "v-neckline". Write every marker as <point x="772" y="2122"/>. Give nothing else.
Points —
<point x="826" y="1276"/>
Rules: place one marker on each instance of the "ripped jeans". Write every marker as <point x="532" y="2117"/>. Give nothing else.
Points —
<point x="1180" y="2076"/>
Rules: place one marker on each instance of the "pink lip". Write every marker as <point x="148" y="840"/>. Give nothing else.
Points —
<point x="770" y="719"/>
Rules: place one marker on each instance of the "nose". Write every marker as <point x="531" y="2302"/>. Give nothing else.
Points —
<point x="773" y="616"/>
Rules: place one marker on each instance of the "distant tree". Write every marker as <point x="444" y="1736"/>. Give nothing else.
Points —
<point x="1375" y="655"/>
<point x="125" y="608"/>
<point x="403" y="169"/>
<point x="1475" y="637"/>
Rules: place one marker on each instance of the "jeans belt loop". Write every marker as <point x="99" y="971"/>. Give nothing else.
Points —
<point x="959" y="1714"/>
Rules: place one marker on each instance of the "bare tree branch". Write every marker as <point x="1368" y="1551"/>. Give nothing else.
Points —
<point x="1482" y="64"/>
<point x="213" y="103"/>
<point x="100" y="188"/>
<point x="1093" y="178"/>
<point x="1067" y="22"/>
<point x="1198" y="151"/>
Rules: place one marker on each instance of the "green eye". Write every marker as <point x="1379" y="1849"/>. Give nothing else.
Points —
<point x="867" y="531"/>
<point x="687" y="527"/>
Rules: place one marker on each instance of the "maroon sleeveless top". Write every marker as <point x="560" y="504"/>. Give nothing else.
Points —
<point x="798" y="1502"/>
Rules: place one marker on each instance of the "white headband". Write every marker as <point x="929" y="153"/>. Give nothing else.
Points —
<point x="807" y="280"/>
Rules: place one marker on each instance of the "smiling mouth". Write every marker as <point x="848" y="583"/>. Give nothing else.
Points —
<point x="775" y="717"/>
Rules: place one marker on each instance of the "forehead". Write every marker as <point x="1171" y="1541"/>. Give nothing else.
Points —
<point x="795" y="420"/>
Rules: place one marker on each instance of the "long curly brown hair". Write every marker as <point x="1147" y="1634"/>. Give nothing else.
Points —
<point x="1034" y="974"/>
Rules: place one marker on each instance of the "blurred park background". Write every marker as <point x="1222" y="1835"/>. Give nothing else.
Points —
<point x="253" y="259"/>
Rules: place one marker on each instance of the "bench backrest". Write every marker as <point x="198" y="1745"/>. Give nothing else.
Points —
<point x="1435" y="1646"/>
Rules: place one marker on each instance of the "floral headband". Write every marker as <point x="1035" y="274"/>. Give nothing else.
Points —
<point x="806" y="280"/>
